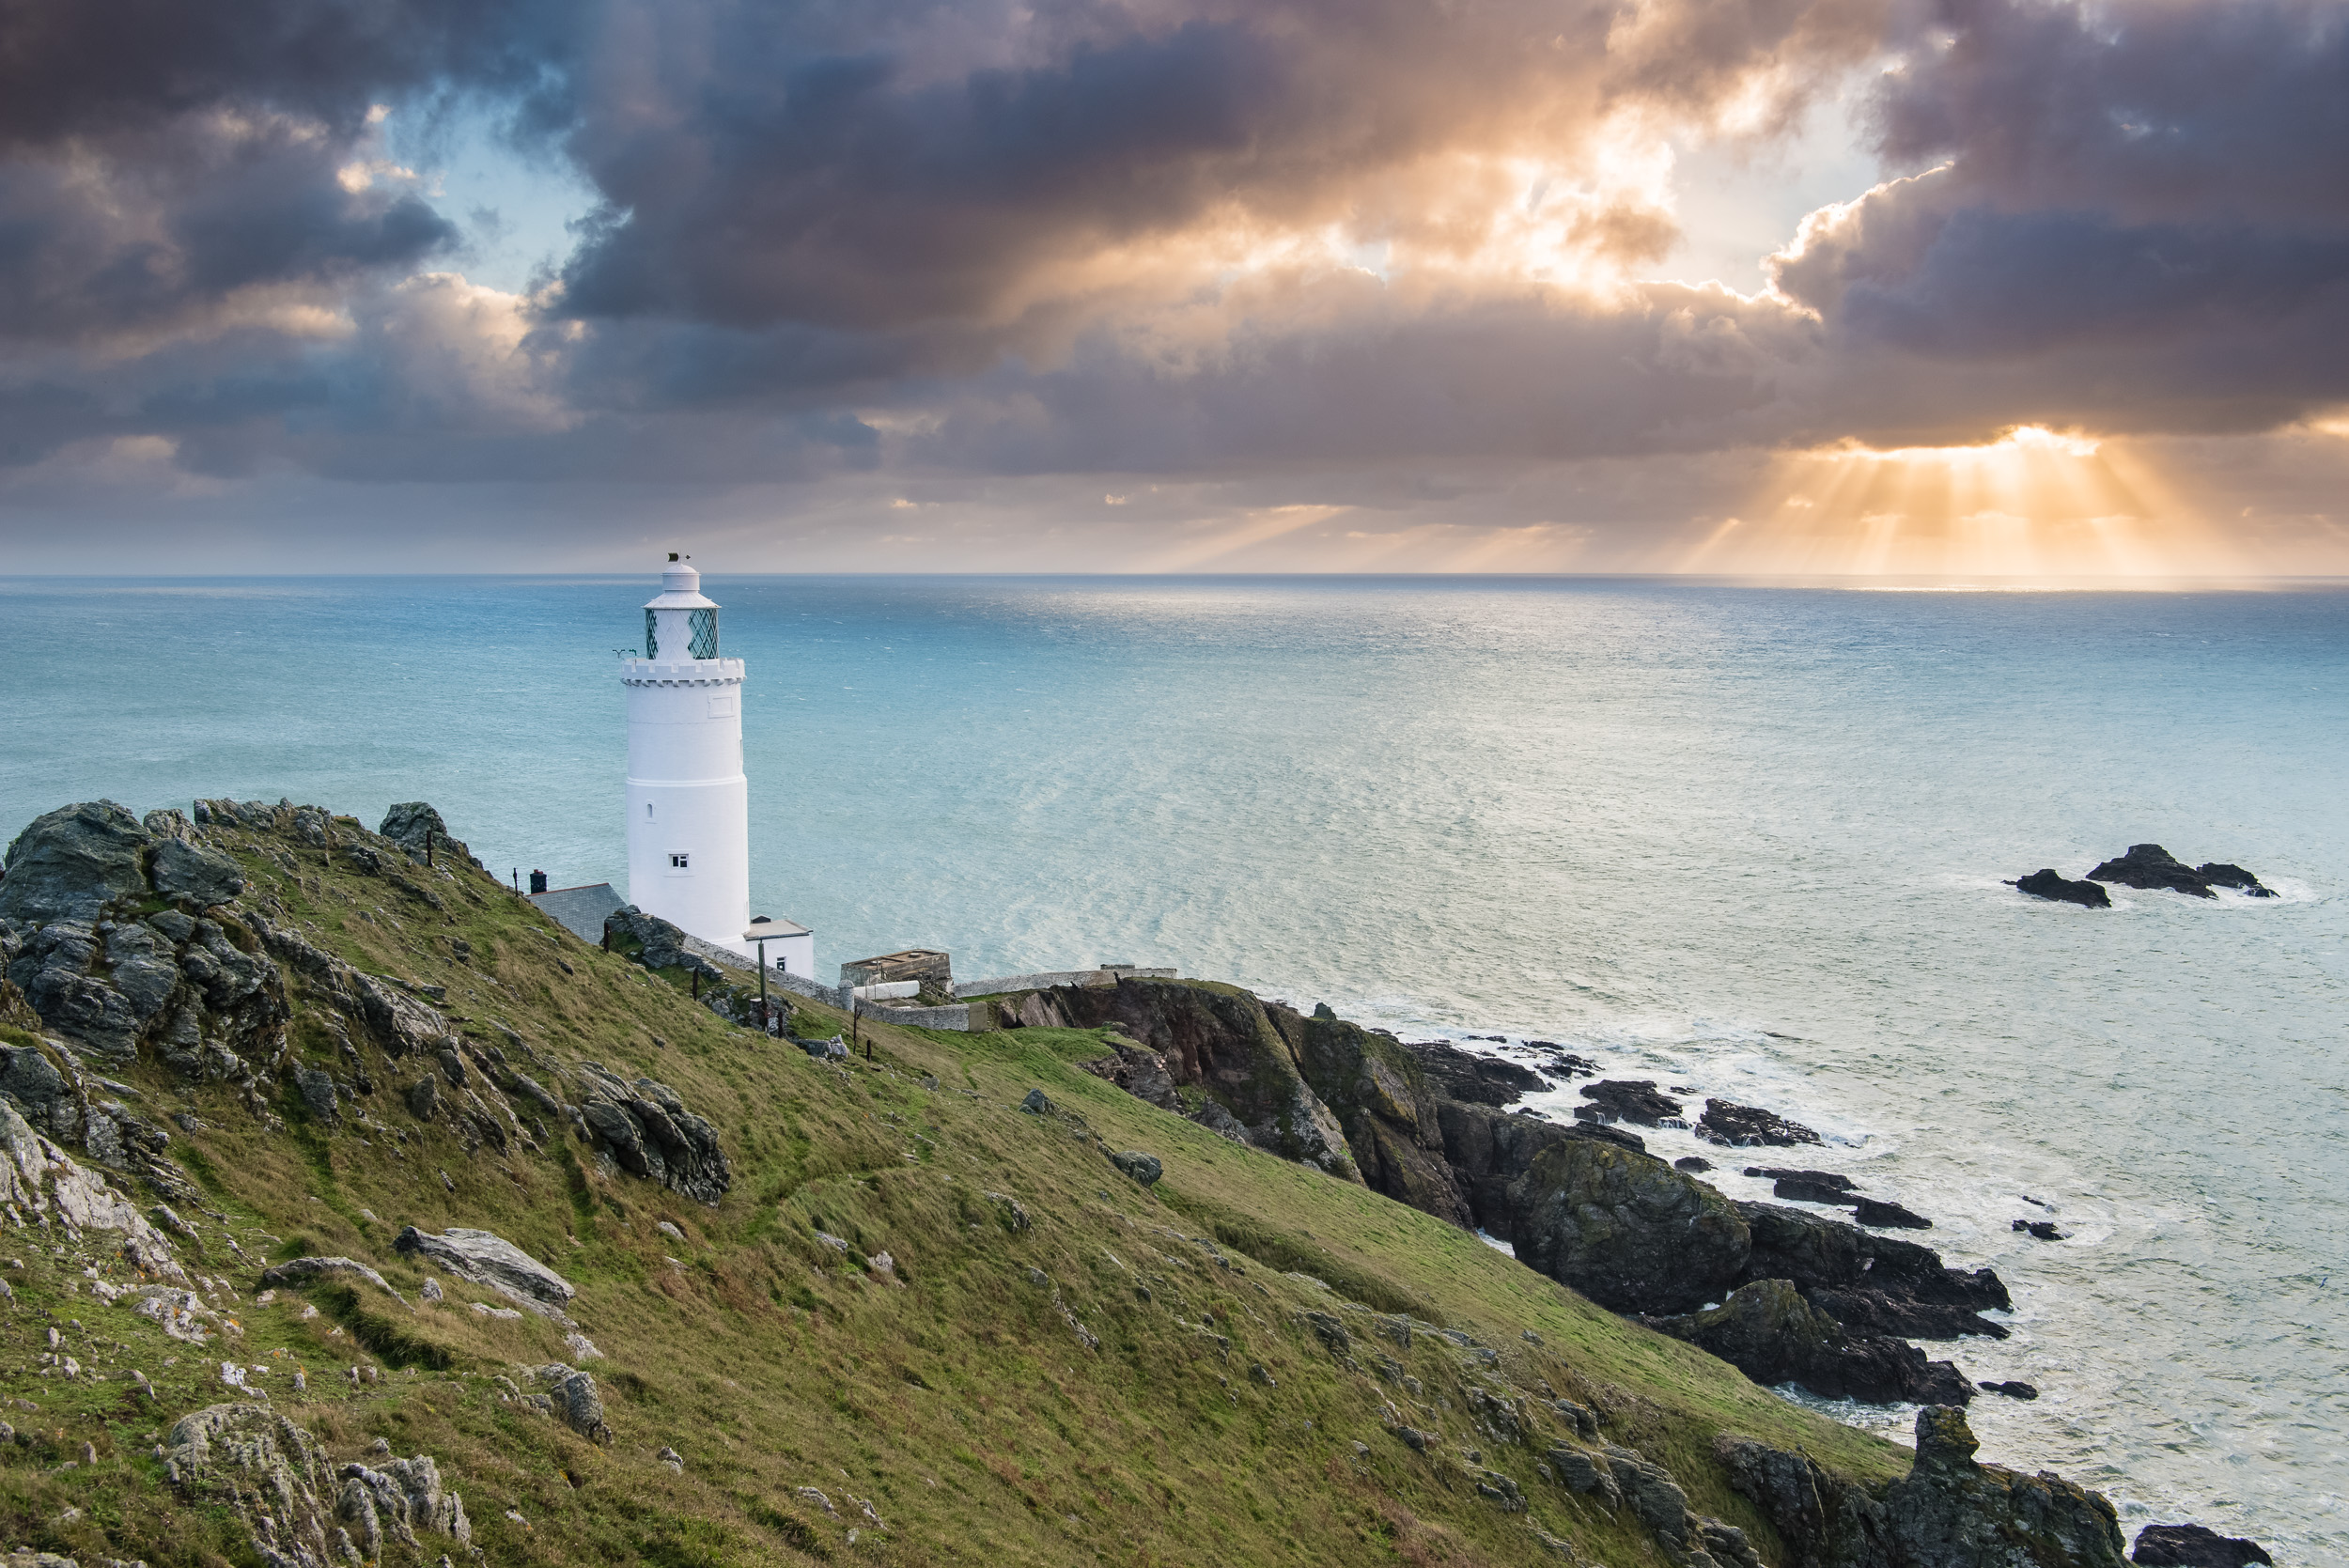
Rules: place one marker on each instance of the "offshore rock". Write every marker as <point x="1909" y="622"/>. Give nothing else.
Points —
<point x="1473" y="1079"/>
<point x="1626" y="1229"/>
<point x="1767" y="1331"/>
<point x="2050" y="884"/>
<point x="487" y="1259"/>
<point x="1488" y="1150"/>
<point x="1628" y="1100"/>
<point x="2148" y="866"/>
<point x="1816" y="1253"/>
<point x="71" y="862"/>
<point x="1727" y="1123"/>
<point x="1949" y="1512"/>
<point x="1873" y="1312"/>
<point x="2220" y="874"/>
<point x="1886" y="1215"/>
<point x="2195" y="1547"/>
<point x="649" y="1132"/>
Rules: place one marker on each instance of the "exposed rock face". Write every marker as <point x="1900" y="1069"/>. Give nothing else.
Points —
<point x="407" y="823"/>
<point x="2148" y="866"/>
<point x="648" y="1132"/>
<point x="2195" y="1547"/>
<point x="1387" y="1103"/>
<point x="181" y="870"/>
<point x="2050" y="884"/>
<point x="71" y="862"/>
<point x="1488" y="1150"/>
<point x="491" y="1260"/>
<point x="1222" y="1039"/>
<point x="1767" y="1331"/>
<point x="576" y="1401"/>
<point x="661" y="944"/>
<point x="1816" y="1253"/>
<point x="1949" y="1512"/>
<point x="1635" y="1100"/>
<point x="301" y="1271"/>
<point x="1727" y="1123"/>
<point x="277" y="1479"/>
<point x="1473" y="1079"/>
<point x="1626" y="1229"/>
<point x="40" y="1179"/>
<point x="1138" y="1070"/>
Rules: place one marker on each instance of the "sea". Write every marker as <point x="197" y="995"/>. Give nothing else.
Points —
<point x="1747" y="840"/>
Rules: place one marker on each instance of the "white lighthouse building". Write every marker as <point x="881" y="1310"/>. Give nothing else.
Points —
<point x="689" y="852"/>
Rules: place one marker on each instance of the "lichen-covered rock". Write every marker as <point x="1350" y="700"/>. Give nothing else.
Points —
<point x="71" y="862"/>
<point x="1626" y="1229"/>
<point x="488" y="1259"/>
<point x="576" y="1401"/>
<point x="1381" y="1096"/>
<point x="318" y="1095"/>
<point x="1949" y="1512"/>
<point x="277" y="1479"/>
<point x="40" y="1179"/>
<point x="201" y="876"/>
<point x="407" y="823"/>
<point x="1144" y="1167"/>
<point x="301" y="1271"/>
<point x="1766" y="1330"/>
<point x="649" y="1132"/>
<point x="1487" y="1150"/>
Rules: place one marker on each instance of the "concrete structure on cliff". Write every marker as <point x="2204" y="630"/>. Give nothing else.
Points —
<point x="689" y="852"/>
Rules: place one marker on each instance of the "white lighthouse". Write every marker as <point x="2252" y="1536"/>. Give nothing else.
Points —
<point x="689" y="849"/>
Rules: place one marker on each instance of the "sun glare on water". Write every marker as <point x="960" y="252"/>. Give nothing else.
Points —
<point x="2035" y="503"/>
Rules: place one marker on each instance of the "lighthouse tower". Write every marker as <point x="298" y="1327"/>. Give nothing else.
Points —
<point x="689" y="849"/>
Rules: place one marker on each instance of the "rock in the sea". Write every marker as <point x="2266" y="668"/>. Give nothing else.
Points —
<point x="70" y="862"/>
<point x="1949" y="1512"/>
<point x="2011" y="1388"/>
<point x="1876" y="1211"/>
<point x="1815" y="1178"/>
<point x="1875" y="1312"/>
<point x="2195" y="1547"/>
<point x="1626" y="1229"/>
<point x="2220" y="874"/>
<point x="1743" y="1127"/>
<point x="1146" y="1168"/>
<point x="2051" y="884"/>
<point x="1767" y="1331"/>
<point x="1693" y="1164"/>
<point x="1803" y="1190"/>
<point x="1819" y="1254"/>
<point x="2148" y="866"/>
<point x="2042" y="1230"/>
<point x="491" y="1260"/>
<point x="1635" y="1101"/>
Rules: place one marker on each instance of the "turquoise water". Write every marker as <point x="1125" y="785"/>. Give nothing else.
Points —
<point x="1745" y="839"/>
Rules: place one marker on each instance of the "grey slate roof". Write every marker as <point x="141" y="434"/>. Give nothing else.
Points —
<point x="581" y="910"/>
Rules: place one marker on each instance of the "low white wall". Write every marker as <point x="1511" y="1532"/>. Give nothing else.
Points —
<point x="1053" y="977"/>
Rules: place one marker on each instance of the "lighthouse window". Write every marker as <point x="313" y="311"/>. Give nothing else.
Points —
<point x="677" y="860"/>
<point x="704" y="627"/>
<point x="652" y="639"/>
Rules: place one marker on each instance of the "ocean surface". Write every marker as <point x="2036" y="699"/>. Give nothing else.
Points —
<point x="1746" y="839"/>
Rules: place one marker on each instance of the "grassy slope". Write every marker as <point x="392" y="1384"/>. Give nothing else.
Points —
<point x="955" y="1398"/>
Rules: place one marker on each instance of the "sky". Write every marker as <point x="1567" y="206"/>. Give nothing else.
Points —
<point x="1814" y="286"/>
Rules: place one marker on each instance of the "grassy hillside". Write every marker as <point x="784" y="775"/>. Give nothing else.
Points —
<point x="1063" y="1366"/>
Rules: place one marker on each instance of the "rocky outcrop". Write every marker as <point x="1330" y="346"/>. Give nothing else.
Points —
<point x="2050" y="884"/>
<point x="1387" y="1103"/>
<point x="575" y="1401"/>
<point x="39" y="1180"/>
<point x="412" y="824"/>
<point x="276" y="1479"/>
<point x="1139" y="1071"/>
<point x="644" y="1129"/>
<point x="69" y="864"/>
<point x="1637" y="1100"/>
<point x="1818" y="1253"/>
<point x="1949" y="1512"/>
<point x="657" y="944"/>
<point x="1767" y="1331"/>
<point x="302" y="1271"/>
<point x="1470" y="1079"/>
<point x="2195" y="1547"/>
<point x="1144" y="1167"/>
<point x="1488" y="1150"/>
<point x="1626" y="1229"/>
<point x="1219" y="1038"/>
<point x="2220" y="874"/>
<point x="490" y="1260"/>
<point x="1744" y="1126"/>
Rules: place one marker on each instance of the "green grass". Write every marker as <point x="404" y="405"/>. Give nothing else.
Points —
<point x="952" y="1395"/>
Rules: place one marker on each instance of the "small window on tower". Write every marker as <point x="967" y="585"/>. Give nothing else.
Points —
<point x="678" y="861"/>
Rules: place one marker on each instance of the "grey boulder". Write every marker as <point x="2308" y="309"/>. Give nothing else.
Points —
<point x="70" y="862"/>
<point x="491" y="1260"/>
<point x="1146" y="1168"/>
<point x="407" y="823"/>
<point x="302" y="1271"/>
<point x="202" y="876"/>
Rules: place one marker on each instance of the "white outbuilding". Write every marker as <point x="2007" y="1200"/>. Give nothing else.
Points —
<point x="689" y="852"/>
